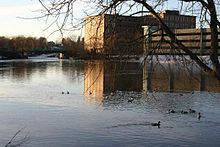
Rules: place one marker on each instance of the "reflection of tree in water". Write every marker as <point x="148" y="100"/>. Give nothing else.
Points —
<point x="20" y="70"/>
<point x="72" y="69"/>
<point x="23" y="70"/>
<point x="17" y="70"/>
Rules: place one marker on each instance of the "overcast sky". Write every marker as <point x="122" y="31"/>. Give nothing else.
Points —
<point x="12" y="25"/>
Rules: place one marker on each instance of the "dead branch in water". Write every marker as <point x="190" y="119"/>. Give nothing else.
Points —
<point x="15" y="143"/>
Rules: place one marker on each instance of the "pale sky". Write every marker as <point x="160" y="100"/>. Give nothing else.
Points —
<point x="12" y="25"/>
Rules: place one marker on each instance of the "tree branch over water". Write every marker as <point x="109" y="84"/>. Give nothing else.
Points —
<point x="13" y="142"/>
<point x="64" y="11"/>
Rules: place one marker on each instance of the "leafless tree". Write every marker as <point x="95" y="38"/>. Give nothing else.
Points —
<point x="64" y="14"/>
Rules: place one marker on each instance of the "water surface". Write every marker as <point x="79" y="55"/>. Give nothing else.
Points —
<point x="97" y="112"/>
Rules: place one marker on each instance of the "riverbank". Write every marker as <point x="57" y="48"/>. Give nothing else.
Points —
<point x="12" y="55"/>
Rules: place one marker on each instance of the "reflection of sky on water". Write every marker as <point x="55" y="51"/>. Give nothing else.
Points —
<point x="117" y="123"/>
<point x="30" y="97"/>
<point x="41" y="82"/>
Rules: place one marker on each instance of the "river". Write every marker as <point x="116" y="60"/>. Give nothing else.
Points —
<point x="54" y="103"/>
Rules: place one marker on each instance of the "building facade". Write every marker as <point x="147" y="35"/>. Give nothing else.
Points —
<point x="113" y="34"/>
<point x="94" y="34"/>
<point x="126" y="35"/>
<point x="197" y="40"/>
<point x="174" y="20"/>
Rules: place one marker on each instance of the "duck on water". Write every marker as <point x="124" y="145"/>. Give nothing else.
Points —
<point x="156" y="124"/>
<point x="199" y="115"/>
<point x="192" y="111"/>
<point x="130" y="100"/>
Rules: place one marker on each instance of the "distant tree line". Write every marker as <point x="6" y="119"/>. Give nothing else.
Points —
<point x="25" y="45"/>
<point x="22" y="44"/>
<point x="73" y="48"/>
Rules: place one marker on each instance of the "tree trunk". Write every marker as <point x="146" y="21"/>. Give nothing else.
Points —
<point x="214" y="39"/>
<point x="173" y="37"/>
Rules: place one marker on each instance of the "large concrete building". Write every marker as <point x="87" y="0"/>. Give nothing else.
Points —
<point x="113" y="34"/>
<point x="174" y="20"/>
<point x="197" y="40"/>
<point x="116" y="34"/>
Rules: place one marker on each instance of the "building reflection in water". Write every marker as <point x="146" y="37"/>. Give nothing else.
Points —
<point x="93" y="80"/>
<point x="172" y="77"/>
<point x="104" y="77"/>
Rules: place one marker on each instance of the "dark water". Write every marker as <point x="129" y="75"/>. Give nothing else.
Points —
<point x="96" y="112"/>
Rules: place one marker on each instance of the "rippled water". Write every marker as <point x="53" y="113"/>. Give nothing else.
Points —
<point x="31" y="99"/>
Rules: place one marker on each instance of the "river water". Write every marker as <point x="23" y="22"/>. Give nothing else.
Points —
<point x="97" y="111"/>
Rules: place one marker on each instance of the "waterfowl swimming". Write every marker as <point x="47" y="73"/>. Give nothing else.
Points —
<point x="62" y="92"/>
<point x="156" y="124"/>
<point x="199" y="115"/>
<point x="130" y="100"/>
<point x="67" y="92"/>
<point x="192" y="111"/>
<point x="184" y="112"/>
<point x="171" y="111"/>
<point x="112" y="93"/>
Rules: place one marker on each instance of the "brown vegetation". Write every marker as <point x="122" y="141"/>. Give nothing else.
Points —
<point x="73" y="48"/>
<point x="22" y="44"/>
<point x="30" y="45"/>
